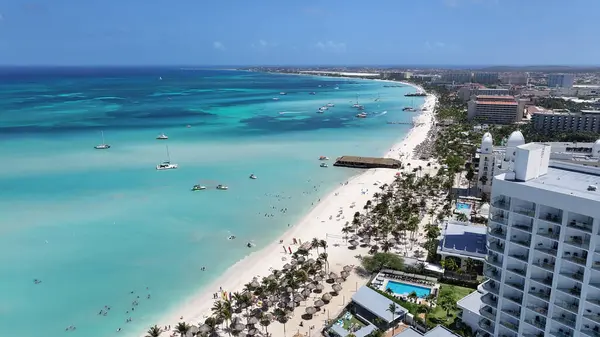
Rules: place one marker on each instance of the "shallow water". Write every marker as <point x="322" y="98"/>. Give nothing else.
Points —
<point x="94" y="225"/>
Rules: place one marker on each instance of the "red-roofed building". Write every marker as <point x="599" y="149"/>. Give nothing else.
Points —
<point x="493" y="109"/>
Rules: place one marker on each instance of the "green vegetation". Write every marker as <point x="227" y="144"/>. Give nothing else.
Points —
<point x="559" y="103"/>
<point x="379" y="261"/>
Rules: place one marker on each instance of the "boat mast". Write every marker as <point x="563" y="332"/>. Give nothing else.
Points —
<point x="102" y="133"/>
<point x="168" y="155"/>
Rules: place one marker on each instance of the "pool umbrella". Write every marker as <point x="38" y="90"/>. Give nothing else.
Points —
<point x="319" y="303"/>
<point x="311" y="310"/>
<point x="326" y="297"/>
<point x="347" y="269"/>
<point x="337" y="288"/>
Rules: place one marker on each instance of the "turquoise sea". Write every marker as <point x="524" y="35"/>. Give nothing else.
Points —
<point x="95" y="225"/>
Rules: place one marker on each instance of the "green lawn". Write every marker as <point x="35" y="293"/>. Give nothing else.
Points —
<point x="352" y="322"/>
<point x="438" y="315"/>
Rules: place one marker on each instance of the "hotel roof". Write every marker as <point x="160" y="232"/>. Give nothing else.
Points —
<point x="497" y="102"/>
<point x="438" y="331"/>
<point x="496" y="97"/>
<point x="471" y="302"/>
<point x="376" y="303"/>
<point x="467" y="239"/>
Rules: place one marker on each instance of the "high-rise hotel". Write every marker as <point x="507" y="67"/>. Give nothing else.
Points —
<point x="543" y="261"/>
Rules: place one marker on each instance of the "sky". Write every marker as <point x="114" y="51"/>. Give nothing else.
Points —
<point x="299" y="32"/>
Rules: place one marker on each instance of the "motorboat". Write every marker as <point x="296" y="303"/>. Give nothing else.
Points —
<point x="166" y="165"/>
<point x="276" y="98"/>
<point x="320" y="111"/>
<point x="162" y="136"/>
<point x="324" y="108"/>
<point x="337" y="88"/>
<point x="331" y="105"/>
<point x="282" y="93"/>
<point x="103" y="145"/>
<point x="252" y="176"/>
<point x="361" y="115"/>
<point x="323" y="158"/>
<point x="324" y="165"/>
<point x="198" y="188"/>
<point x="222" y="187"/>
<point x="312" y="93"/>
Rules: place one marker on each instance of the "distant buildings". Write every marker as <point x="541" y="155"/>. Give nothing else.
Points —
<point x="490" y="109"/>
<point x="585" y="120"/>
<point x="467" y="92"/>
<point x="515" y="78"/>
<point x="396" y="76"/>
<point x="543" y="265"/>
<point x="457" y="77"/>
<point x="485" y="78"/>
<point x="560" y="80"/>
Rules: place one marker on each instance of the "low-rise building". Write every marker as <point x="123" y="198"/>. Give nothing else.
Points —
<point x="462" y="241"/>
<point x="469" y="309"/>
<point x="495" y="109"/>
<point x="584" y="120"/>
<point x="438" y="331"/>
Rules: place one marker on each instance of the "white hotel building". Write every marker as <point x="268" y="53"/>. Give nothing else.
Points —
<point x="543" y="261"/>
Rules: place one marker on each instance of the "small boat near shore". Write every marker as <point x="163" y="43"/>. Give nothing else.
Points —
<point x="312" y="93"/>
<point x="252" y="176"/>
<point x="198" y="188"/>
<point x="222" y="187"/>
<point x="324" y="165"/>
<point x="362" y="115"/>
<point x="283" y="93"/>
<point x="323" y="158"/>
<point x="162" y="136"/>
<point x="276" y="98"/>
<point x="103" y="145"/>
<point x="331" y="105"/>
<point x="409" y="109"/>
<point x="416" y="94"/>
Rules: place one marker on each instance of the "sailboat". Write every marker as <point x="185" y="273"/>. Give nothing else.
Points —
<point x="358" y="106"/>
<point x="103" y="145"/>
<point x="166" y="165"/>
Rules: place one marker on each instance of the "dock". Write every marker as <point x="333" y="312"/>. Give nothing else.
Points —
<point x="367" y="162"/>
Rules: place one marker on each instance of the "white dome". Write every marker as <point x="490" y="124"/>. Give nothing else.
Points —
<point x="516" y="138"/>
<point x="596" y="149"/>
<point x="487" y="144"/>
<point x="487" y="134"/>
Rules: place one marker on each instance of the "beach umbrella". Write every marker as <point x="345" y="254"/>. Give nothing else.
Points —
<point x="252" y="332"/>
<point x="311" y="261"/>
<point x="320" y="287"/>
<point x="353" y="242"/>
<point x="323" y="273"/>
<point x="344" y="274"/>
<point x="252" y="320"/>
<point x="311" y="310"/>
<point x="289" y="289"/>
<point x="339" y="280"/>
<point x="291" y="306"/>
<point x="392" y="241"/>
<point x="293" y="262"/>
<point x="204" y="328"/>
<point x="194" y="329"/>
<point x="306" y="293"/>
<point x="318" y="278"/>
<point x="332" y="275"/>
<point x="298" y="334"/>
<point x="239" y="327"/>
<point x="287" y="266"/>
<point x="337" y="288"/>
<point x="255" y="284"/>
<point x="310" y="286"/>
<point x="256" y="312"/>
<point x="236" y="320"/>
<point x="267" y="316"/>
<point x="326" y="297"/>
<point x="355" y="237"/>
<point x="299" y="298"/>
<point x="347" y="268"/>
<point x="301" y="259"/>
<point x="319" y="303"/>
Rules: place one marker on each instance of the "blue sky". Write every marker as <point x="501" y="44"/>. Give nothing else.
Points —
<point x="308" y="32"/>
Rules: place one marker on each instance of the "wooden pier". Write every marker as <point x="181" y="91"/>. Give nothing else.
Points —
<point x="367" y="162"/>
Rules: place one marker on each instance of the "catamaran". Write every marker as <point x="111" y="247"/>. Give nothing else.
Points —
<point x="162" y="136"/>
<point x="166" y="165"/>
<point x="103" y="145"/>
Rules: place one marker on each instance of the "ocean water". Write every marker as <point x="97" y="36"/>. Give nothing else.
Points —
<point x="95" y="225"/>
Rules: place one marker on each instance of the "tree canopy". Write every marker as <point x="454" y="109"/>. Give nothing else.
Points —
<point x="378" y="261"/>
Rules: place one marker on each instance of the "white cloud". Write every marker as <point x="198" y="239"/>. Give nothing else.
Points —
<point x="263" y="43"/>
<point x="1" y="17"/>
<point x="435" y="45"/>
<point x="218" y="45"/>
<point x="330" y="46"/>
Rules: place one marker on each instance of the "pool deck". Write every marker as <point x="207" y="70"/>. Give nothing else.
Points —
<point x="380" y="282"/>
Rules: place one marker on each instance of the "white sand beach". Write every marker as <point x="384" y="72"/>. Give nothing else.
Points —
<point x="321" y="222"/>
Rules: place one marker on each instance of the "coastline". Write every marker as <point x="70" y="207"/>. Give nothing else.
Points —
<point x="320" y="222"/>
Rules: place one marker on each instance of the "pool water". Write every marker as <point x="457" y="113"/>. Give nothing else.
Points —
<point x="463" y="207"/>
<point x="405" y="289"/>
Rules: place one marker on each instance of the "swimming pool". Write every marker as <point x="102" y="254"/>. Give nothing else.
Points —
<point x="463" y="207"/>
<point x="405" y="289"/>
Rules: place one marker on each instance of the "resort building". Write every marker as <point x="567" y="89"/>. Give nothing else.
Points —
<point x="485" y="78"/>
<point x="462" y="241"/>
<point x="515" y="78"/>
<point x="468" y="92"/>
<point x="469" y="307"/>
<point x="543" y="263"/>
<point x="438" y="331"/>
<point x="584" y="120"/>
<point x="560" y="80"/>
<point x="457" y="77"/>
<point x="369" y="308"/>
<point x="490" y="109"/>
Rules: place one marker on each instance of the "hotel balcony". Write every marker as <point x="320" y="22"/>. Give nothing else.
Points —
<point x="595" y="332"/>
<point x="491" y="286"/>
<point x="573" y="291"/>
<point x="490" y="299"/>
<point x="487" y="326"/>
<point x="487" y="312"/>
<point x="497" y="232"/>
<point x="568" y="321"/>
<point x="493" y="273"/>
<point x="523" y="240"/>
<point x="574" y="275"/>
<point x="571" y="306"/>
<point x="580" y="225"/>
<point x="515" y="284"/>
<point x="515" y="299"/>
<point x="594" y="284"/>
<point x="522" y="226"/>
<point x="520" y="257"/>
<point x="546" y="250"/>
<point x="499" y="217"/>
<point x="551" y="214"/>
<point x="539" y="323"/>
<point x="551" y="232"/>
<point x="496" y="246"/>
<point x="517" y="271"/>
<point x="596" y="265"/>
<point x="579" y="241"/>
<point x="594" y="301"/>
<point x="494" y="259"/>
<point x="514" y="313"/>
<point x="501" y="202"/>
<point x="528" y="211"/>
<point x="543" y="294"/>
<point x="592" y="316"/>
<point x="544" y="280"/>
<point x="546" y="264"/>
<point x="561" y="333"/>
<point x="512" y="326"/>
<point x="539" y="309"/>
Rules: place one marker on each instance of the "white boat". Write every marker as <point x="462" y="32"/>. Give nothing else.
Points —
<point x="331" y="105"/>
<point x="160" y="78"/>
<point x="320" y="111"/>
<point x="162" y="136"/>
<point x="103" y="145"/>
<point x="361" y="115"/>
<point x="276" y="98"/>
<point x="282" y="93"/>
<point x="166" y="165"/>
<point x="252" y="176"/>
<point x="337" y="88"/>
<point x="323" y="158"/>
<point x="198" y="188"/>
<point x="324" y="165"/>
<point x="324" y="108"/>
<point x="222" y="187"/>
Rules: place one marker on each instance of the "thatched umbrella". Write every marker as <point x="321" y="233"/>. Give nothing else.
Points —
<point x="318" y="278"/>
<point x="287" y="266"/>
<point x="323" y="273"/>
<point x="255" y="284"/>
<point x="267" y="316"/>
<point x="239" y="327"/>
<point x="319" y="303"/>
<point x="204" y="328"/>
<point x="347" y="269"/>
<point x="301" y="259"/>
<point x="310" y="286"/>
<point x="252" y="320"/>
<point x="289" y="289"/>
<point x="311" y="310"/>
<point x="293" y="262"/>
<point x="320" y="287"/>
<point x="291" y="306"/>
<point x="252" y="332"/>
<point x="305" y="292"/>
<point x="339" y="280"/>
<point x="271" y="278"/>
<point x="298" y="298"/>
<point x="256" y="312"/>
<point x="355" y="237"/>
<point x="326" y="297"/>
<point x="236" y="320"/>
<point x="332" y="276"/>
<point x="353" y="242"/>
<point x="344" y="275"/>
<point x="337" y="288"/>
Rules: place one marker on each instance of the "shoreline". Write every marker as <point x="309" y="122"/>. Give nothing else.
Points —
<point x="320" y="222"/>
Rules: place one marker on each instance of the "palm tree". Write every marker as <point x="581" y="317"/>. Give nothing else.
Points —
<point x="323" y="257"/>
<point x="413" y="295"/>
<point x="323" y="245"/>
<point x="448" y="303"/>
<point x="182" y="328"/>
<point x="281" y="317"/>
<point x="393" y="308"/>
<point x="265" y="321"/>
<point x="469" y="265"/>
<point x="315" y="244"/>
<point x="386" y="246"/>
<point x="154" y="331"/>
